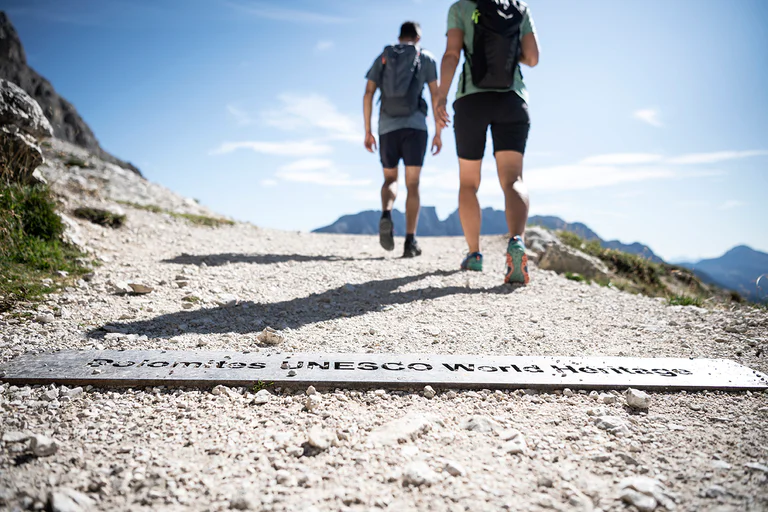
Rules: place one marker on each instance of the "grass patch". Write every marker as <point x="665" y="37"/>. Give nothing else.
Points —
<point x="576" y="277"/>
<point x="31" y="250"/>
<point x="74" y="161"/>
<point x="684" y="300"/>
<point x="101" y="217"/>
<point x="261" y="385"/>
<point x="200" y="220"/>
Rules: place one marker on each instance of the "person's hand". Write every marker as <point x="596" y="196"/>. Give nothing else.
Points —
<point x="437" y="144"/>
<point x="370" y="142"/>
<point x="441" y="116"/>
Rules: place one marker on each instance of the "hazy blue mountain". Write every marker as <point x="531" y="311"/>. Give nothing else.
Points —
<point x="736" y="270"/>
<point x="494" y="223"/>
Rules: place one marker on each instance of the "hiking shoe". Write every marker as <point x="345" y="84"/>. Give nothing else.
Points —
<point x="411" y="249"/>
<point x="473" y="261"/>
<point x="387" y="234"/>
<point x="517" y="262"/>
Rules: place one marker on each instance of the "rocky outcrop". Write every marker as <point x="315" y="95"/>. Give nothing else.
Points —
<point x="21" y="121"/>
<point x="562" y="259"/>
<point x="66" y="122"/>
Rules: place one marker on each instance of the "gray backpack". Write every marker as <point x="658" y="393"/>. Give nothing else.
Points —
<point x="400" y="91"/>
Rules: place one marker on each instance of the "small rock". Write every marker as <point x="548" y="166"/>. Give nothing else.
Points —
<point x="140" y="289"/>
<point x="224" y="390"/>
<point x="51" y="395"/>
<point x="311" y="390"/>
<point x="244" y="501"/>
<point x="407" y="428"/>
<point x="645" y="493"/>
<point x="45" y="318"/>
<point x="320" y="438"/>
<point x="14" y="437"/>
<point x="454" y="468"/>
<point x="284" y="477"/>
<point x="226" y="300"/>
<point x="269" y="336"/>
<point x="480" y="424"/>
<point x="262" y="397"/>
<point x="612" y="424"/>
<point x="42" y="446"/>
<point x="545" y="481"/>
<point x="419" y="473"/>
<point x="637" y="399"/>
<point x="568" y="392"/>
<point x="313" y="402"/>
<point x="68" y="500"/>
<point x="757" y="467"/>
<point x="628" y="459"/>
<point x="515" y="443"/>
<point x="715" y="491"/>
<point x="72" y="393"/>
<point x="594" y="395"/>
<point x="451" y="394"/>
<point x="429" y="392"/>
<point x="608" y="398"/>
<point x="720" y="464"/>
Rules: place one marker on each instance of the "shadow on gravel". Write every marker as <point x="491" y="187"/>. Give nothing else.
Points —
<point x="217" y="260"/>
<point x="342" y="302"/>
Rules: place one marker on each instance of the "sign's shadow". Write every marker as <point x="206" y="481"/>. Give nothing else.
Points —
<point x="217" y="260"/>
<point x="340" y="302"/>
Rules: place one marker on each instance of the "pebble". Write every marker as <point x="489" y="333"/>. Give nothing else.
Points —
<point x="715" y="491"/>
<point x="262" y="397"/>
<point x="757" y="467"/>
<point x="720" y="464"/>
<point x="42" y="446"/>
<point x="454" y="468"/>
<point x="270" y="336"/>
<point x="313" y="402"/>
<point x="645" y="493"/>
<point x="419" y="474"/>
<point x="45" y="318"/>
<point x="479" y="424"/>
<point x="515" y="445"/>
<point x="311" y="390"/>
<point x="608" y="398"/>
<point x="12" y="436"/>
<point x="320" y="438"/>
<point x="244" y="501"/>
<point x="637" y="399"/>
<point x="612" y="424"/>
<point x="407" y="428"/>
<point x="68" y="500"/>
<point x="140" y="289"/>
<point x="429" y="392"/>
<point x="568" y="392"/>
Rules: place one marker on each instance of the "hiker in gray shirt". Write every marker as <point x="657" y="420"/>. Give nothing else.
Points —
<point x="400" y="72"/>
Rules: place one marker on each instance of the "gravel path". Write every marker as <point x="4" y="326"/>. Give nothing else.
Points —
<point x="171" y="449"/>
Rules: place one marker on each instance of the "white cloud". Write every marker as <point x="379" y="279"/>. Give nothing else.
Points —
<point x="312" y="112"/>
<point x="319" y="172"/>
<point x="730" y="205"/>
<point x="622" y="159"/>
<point x="716" y="157"/>
<point x="323" y="46"/>
<point x="308" y="164"/>
<point x="286" y="148"/>
<point x="648" y="115"/>
<point x="242" y="117"/>
<point x="269" y="11"/>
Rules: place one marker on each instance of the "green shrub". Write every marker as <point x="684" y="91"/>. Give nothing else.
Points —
<point x="101" y="217"/>
<point x="30" y="245"/>
<point x="684" y="300"/>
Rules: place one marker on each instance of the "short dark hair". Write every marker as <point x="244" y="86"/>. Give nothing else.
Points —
<point x="410" y="30"/>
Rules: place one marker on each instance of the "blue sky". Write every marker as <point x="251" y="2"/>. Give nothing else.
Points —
<point x="650" y="118"/>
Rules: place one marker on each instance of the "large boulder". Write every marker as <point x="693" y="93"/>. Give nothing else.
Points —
<point x="19" y="109"/>
<point x="21" y="120"/>
<point x="563" y="259"/>
<point x="538" y="239"/>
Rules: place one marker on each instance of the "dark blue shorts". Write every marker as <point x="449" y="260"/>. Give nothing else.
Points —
<point x="406" y="144"/>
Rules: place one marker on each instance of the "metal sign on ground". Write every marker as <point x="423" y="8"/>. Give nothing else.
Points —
<point x="208" y="368"/>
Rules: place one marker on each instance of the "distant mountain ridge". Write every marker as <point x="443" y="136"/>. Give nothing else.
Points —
<point x="494" y="223"/>
<point x="737" y="270"/>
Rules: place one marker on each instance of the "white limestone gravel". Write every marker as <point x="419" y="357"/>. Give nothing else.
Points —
<point x="190" y="449"/>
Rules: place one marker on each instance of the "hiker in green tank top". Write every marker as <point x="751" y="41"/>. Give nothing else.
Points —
<point x="496" y="36"/>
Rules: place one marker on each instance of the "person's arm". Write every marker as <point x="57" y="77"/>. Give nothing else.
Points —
<point x="437" y="142"/>
<point x="448" y="67"/>
<point x="370" y="90"/>
<point x="530" y="47"/>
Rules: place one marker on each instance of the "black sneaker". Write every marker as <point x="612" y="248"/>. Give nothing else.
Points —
<point x="387" y="234"/>
<point x="411" y="249"/>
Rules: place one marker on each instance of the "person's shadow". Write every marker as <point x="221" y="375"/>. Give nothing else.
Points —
<point x="342" y="302"/>
<point x="217" y="260"/>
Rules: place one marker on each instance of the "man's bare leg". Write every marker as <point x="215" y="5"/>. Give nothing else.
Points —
<point x="388" y="196"/>
<point x="413" y="201"/>
<point x="389" y="190"/>
<point x="469" y="206"/>
<point x="510" y="168"/>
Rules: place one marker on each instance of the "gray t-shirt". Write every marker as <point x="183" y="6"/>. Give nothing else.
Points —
<point x="418" y="120"/>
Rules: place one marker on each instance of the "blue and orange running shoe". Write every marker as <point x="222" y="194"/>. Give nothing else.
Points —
<point x="473" y="261"/>
<point x="517" y="262"/>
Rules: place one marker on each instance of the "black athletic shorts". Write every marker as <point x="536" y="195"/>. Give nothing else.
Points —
<point x="505" y="112"/>
<point x="407" y="144"/>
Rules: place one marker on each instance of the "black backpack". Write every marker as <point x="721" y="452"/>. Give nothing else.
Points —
<point x="497" y="49"/>
<point x="400" y="91"/>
